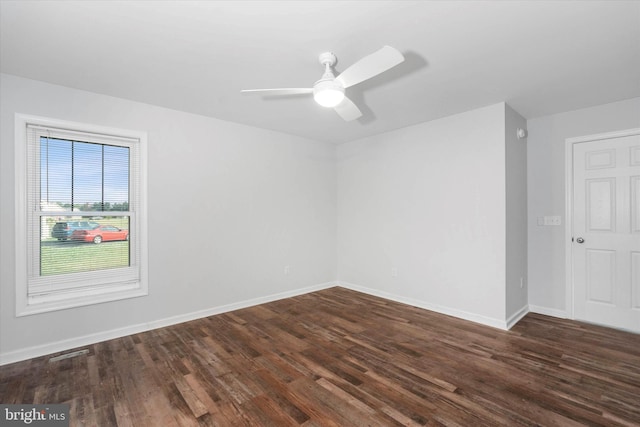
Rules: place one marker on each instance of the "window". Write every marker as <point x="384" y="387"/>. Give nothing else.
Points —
<point x="80" y="214"/>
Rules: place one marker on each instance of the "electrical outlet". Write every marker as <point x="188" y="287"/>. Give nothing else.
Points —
<point x="522" y="282"/>
<point x="287" y="270"/>
<point x="394" y="272"/>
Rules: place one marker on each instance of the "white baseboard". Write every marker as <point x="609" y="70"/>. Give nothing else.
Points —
<point x="68" y="344"/>
<point x="473" y="317"/>
<point x="58" y="346"/>
<point x="553" y="312"/>
<point x="515" y="317"/>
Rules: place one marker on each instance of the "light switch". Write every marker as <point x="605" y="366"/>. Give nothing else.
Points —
<point x="549" y="220"/>
<point x="553" y="220"/>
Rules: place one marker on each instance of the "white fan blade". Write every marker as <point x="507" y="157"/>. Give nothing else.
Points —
<point x="280" y="91"/>
<point x="370" y="66"/>
<point x="348" y="110"/>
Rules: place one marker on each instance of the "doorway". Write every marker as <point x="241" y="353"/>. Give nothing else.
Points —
<point x="603" y="227"/>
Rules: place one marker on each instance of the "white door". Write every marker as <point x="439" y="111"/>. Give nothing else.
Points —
<point x="606" y="231"/>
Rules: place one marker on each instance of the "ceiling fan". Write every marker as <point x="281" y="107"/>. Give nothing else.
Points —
<point x="329" y="90"/>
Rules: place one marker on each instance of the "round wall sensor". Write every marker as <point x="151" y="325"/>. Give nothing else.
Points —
<point x="521" y="133"/>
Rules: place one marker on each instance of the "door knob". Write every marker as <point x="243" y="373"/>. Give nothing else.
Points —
<point x="580" y="240"/>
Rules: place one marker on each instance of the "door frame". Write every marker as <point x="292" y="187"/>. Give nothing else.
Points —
<point x="568" y="229"/>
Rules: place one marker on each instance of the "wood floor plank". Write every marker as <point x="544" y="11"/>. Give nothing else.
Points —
<point x="341" y="358"/>
<point x="190" y="397"/>
<point x="280" y="393"/>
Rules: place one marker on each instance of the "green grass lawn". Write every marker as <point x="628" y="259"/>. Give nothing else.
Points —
<point x="61" y="257"/>
<point x="66" y="256"/>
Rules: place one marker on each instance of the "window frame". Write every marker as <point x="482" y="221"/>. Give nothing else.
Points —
<point x="33" y="293"/>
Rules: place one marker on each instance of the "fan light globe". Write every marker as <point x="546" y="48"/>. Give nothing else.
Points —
<point x="328" y="93"/>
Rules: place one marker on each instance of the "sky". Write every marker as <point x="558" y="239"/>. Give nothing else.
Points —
<point x="63" y="162"/>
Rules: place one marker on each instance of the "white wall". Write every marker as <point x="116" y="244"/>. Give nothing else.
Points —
<point x="516" y="198"/>
<point x="430" y="201"/>
<point x="229" y="207"/>
<point x="546" y="192"/>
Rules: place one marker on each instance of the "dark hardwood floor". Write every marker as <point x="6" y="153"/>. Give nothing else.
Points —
<point x="342" y="358"/>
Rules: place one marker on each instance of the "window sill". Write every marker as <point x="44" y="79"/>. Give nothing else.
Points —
<point x="79" y="298"/>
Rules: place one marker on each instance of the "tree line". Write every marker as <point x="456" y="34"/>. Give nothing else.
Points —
<point x="98" y="206"/>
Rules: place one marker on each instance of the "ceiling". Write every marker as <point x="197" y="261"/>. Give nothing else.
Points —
<point x="541" y="57"/>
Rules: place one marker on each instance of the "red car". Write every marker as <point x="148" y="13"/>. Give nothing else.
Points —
<point x="99" y="234"/>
